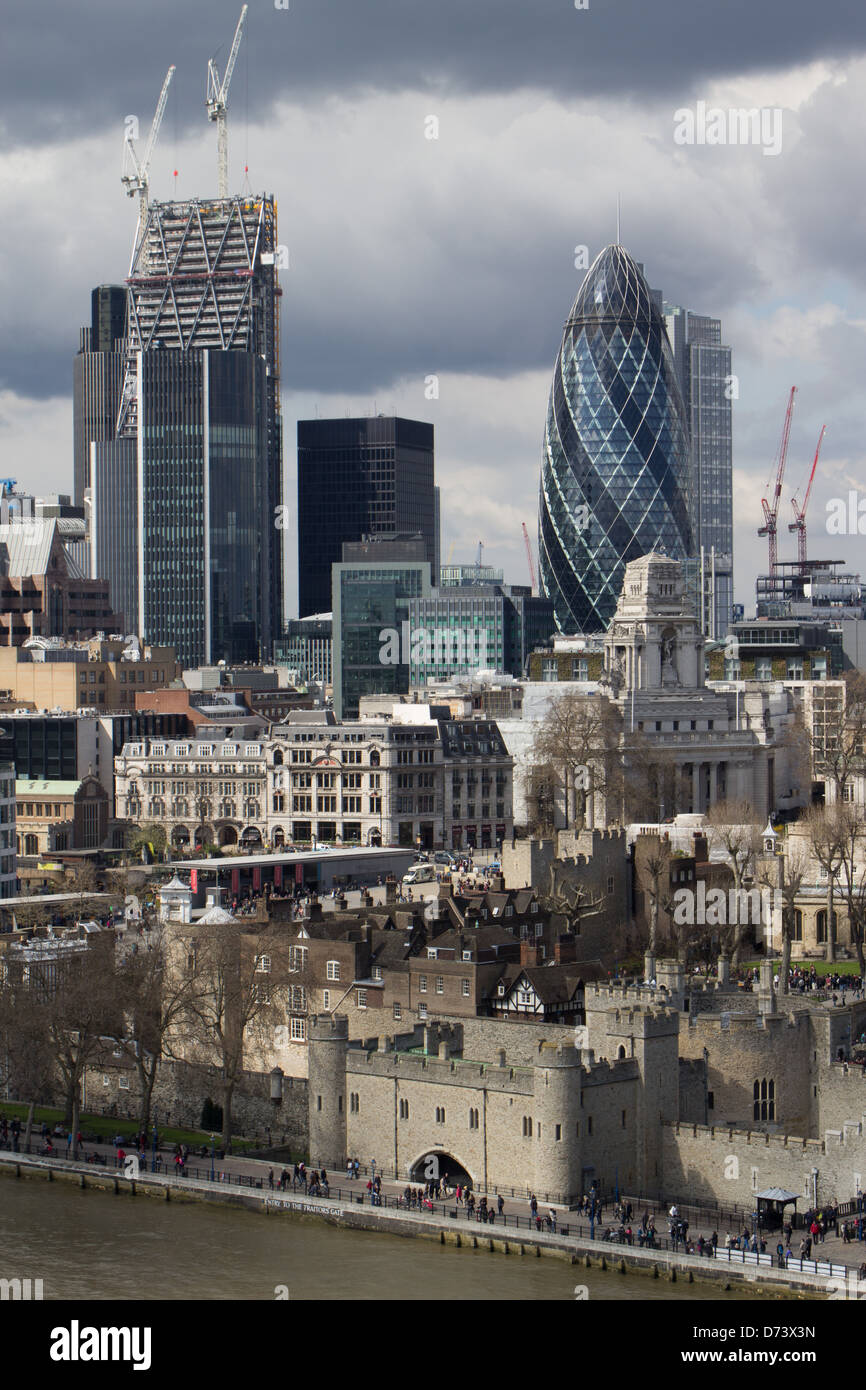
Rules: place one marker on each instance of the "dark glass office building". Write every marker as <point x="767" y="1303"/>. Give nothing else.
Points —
<point x="615" y="476"/>
<point x="202" y="491"/>
<point x="356" y="478"/>
<point x="372" y="587"/>
<point x="97" y="379"/>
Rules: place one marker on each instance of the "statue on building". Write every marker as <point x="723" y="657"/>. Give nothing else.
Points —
<point x="669" y="665"/>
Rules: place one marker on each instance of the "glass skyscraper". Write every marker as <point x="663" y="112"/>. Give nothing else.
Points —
<point x="186" y="500"/>
<point x="360" y="477"/>
<point x="615" y="476"/>
<point x="703" y="367"/>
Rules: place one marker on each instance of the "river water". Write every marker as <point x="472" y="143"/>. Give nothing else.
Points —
<point x="92" y="1245"/>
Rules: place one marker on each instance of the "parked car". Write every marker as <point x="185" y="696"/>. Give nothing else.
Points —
<point x="443" y="857"/>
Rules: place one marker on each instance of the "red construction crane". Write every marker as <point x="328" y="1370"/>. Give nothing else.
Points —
<point x="800" y="512"/>
<point x="771" y="512"/>
<point x="529" y="557"/>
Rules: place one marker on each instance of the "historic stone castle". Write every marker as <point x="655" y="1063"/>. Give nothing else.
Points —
<point x="662" y="1092"/>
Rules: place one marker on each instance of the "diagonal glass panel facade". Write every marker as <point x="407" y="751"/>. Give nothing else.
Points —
<point x="615" y="473"/>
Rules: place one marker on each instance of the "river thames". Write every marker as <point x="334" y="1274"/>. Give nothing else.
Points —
<point x="91" y="1245"/>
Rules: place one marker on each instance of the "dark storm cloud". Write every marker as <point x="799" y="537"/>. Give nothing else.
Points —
<point x="72" y="69"/>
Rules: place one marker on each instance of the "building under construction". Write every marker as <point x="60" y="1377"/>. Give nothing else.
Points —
<point x="198" y="438"/>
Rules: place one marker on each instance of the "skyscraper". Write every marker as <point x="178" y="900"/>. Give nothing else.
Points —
<point x="360" y="477"/>
<point x="703" y="367"/>
<point x="97" y="379"/>
<point x="615" y="476"/>
<point x="200" y="417"/>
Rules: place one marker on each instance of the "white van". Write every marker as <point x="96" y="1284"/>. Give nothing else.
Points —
<point x="420" y="873"/>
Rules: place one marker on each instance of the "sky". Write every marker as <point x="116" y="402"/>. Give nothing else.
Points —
<point x="437" y="168"/>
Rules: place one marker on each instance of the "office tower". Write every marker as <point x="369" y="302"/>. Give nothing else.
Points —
<point x="194" y="479"/>
<point x="703" y="367"/>
<point x="372" y="586"/>
<point x="356" y="478"/>
<point x="97" y="379"/>
<point x="458" y="630"/>
<point x="615" y="475"/>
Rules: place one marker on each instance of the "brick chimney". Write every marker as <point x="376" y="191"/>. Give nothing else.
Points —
<point x="701" y="848"/>
<point x="316" y="911"/>
<point x="565" y="950"/>
<point x="530" y="954"/>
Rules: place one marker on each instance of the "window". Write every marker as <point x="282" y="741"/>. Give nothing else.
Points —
<point x="398" y="1011"/>
<point x="422" y="1011"/>
<point x="549" y="668"/>
<point x="106" y="1080"/>
<point x="473" y="1119"/>
<point x="764" y="1100"/>
<point x="123" y="1083"/>
<point x="440" y="985"/>
<point x="355" y="1103"/>
<point x="326" y="1000"/>
<point x="362" y="998"/>
<point x="404" y="1109"/>
<point x="464" y="986"/>
<point x="527" y="1127"/>
<point x="298" y="958"/>
<point x="440" y="1114"/>
<point x="298" y="1030"/>
<point x="263" y="965"/>
<point x="558" y="1133"/>
<point x="422" y="984"/>
<point x="297" y="999"/>
<point x="610" y="883"/>
<point x="333" y="970"/>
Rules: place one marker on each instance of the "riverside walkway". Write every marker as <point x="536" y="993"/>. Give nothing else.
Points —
<point x="243" y="1181"/>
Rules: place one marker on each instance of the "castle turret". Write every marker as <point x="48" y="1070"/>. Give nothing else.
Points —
<point x="558" y="1169"/>
<point x="328" y="1046"/>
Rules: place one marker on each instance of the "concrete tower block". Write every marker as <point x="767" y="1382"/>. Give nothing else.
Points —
<point x="327" y="1051"/>
<point x="558" y="1167"/>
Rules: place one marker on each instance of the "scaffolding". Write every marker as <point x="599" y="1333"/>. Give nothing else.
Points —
<point x="203" y="275"/>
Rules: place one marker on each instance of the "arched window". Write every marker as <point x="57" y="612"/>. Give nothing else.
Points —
<point x="764" y="1100"/>
<point x="374" y="757"/>
<point x="278" y="758"/>
<point x="797" y="930"/>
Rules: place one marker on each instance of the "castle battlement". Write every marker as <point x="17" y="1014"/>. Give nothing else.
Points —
<point x="441" y="1071"/>
<point x="754" y="1138"/>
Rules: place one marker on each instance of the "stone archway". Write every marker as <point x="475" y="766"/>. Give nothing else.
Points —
<point x="227" y="835"/>
<point x="438" y="1163"/>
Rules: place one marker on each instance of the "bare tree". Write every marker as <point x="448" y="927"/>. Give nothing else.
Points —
<point x="657" y="864"/>
<point x="733" y="827"/>
<point x="577" y="745"/>
<point x="154" y="1001"/>
<point x="786" y="873"/>
<point x="826" y="828"/>
<point x="81" y="1003"/>
<point x="234" y="1005"/>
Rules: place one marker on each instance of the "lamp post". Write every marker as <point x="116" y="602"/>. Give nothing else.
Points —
<point x="212" y="1141"/>
<point x="153" y="1160"/>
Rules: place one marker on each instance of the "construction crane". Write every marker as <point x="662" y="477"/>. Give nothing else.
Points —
<point x="529" y="557"/>
<point x="217" y="106"/>
<point x="800" y="512"/>
<point x="771" y="512"/>
<point x="135" y="176"/>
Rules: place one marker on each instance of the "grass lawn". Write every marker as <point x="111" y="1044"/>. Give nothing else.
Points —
<point x="822" y="967"/>
<point x="105" y="1127"/>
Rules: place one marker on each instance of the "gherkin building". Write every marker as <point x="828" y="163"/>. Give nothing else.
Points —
<point x="615" y="475"/>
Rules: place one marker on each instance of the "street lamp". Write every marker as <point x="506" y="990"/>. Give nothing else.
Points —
<point x="212" y="1141"/>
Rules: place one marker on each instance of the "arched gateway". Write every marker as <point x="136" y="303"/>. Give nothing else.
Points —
<point x="436" y="1164"/>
